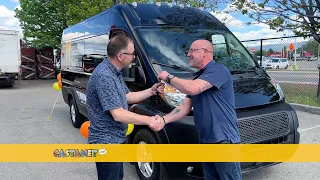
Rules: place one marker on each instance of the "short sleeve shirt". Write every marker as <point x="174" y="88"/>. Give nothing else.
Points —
<point x="214" y="109"/>
<point x="106" y="91"/>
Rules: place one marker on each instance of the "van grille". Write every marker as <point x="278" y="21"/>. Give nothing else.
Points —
<point x="262" y="128"/>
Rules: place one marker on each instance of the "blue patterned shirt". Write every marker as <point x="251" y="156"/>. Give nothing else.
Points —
<point x="106" y="91"/>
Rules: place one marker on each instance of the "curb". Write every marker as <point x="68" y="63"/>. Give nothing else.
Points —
<point x="306" y="108"/>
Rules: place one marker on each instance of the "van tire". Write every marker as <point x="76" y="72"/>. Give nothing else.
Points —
<point x="277" y="67"/>
<point x="76" y="118"/>
<point x="158" y="169"/>
<point x="286" y="67"/>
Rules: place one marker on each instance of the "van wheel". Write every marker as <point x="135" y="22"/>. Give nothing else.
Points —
<point x="286" y="67"/>
<point x="76" y="118"/>
<point x="277" y="67"/>
<point x="148" y="170"/>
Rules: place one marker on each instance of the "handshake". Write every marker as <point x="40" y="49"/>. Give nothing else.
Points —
<point x="156" y="123"/>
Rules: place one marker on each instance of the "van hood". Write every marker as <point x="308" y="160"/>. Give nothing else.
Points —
<point x="254" y="92"/>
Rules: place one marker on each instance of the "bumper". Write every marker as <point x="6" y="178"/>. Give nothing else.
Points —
<point x="184" y="132"/>
<point x="7" y="79"/>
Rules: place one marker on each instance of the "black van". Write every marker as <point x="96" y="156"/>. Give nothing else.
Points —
<point x="162" y="34"/>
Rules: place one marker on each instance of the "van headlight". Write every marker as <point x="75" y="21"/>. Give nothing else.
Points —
<point x="172" y="95"/>
<point x="278" y="88"/>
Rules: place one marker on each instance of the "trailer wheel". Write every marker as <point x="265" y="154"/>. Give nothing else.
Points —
<point x="148" y="170"/>
<point x="76" y="118"/>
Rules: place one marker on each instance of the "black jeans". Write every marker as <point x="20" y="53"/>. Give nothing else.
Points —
<point x="222" y="170"/>
<point x="110" y="170"/>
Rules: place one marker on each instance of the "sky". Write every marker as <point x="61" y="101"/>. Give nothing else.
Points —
<point x="235" y="22"/>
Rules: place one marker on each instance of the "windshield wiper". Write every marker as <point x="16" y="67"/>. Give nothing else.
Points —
<point x="242" y="71"/>
<point x="172" y="66"/>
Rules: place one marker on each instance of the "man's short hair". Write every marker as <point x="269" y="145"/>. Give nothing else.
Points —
<point x="117" y="44"/>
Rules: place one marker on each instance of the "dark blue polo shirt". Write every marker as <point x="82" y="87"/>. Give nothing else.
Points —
<point x="214" y="109"/>
<point x="106" y="90"/>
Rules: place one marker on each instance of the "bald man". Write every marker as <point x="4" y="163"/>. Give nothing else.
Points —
<point x="211" y="95"/>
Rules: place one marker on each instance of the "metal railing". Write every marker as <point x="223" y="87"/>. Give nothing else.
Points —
<point x="293" y="62"/>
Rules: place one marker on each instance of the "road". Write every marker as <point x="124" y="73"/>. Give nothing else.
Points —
<point x="23" y="112"/>
<point x="295" y="77"/>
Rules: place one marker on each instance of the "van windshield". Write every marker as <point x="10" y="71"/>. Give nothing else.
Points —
<point x="168" y="46"/>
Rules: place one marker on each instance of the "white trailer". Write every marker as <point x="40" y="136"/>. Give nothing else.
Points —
<point x="10" y="57"/>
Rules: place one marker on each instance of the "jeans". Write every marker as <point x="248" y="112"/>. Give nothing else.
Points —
<point x="110" y="170"/>
<point x="222" y="170"/>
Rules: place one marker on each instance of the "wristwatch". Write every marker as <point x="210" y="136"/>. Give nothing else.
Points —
<point x="169" y="77"/>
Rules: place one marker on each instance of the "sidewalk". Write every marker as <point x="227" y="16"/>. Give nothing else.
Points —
<point x="306" y="108"/>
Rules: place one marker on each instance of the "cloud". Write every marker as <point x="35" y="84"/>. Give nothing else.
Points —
<point x="266" y="34"/>
<point x="225" y="17"/>
<point x="8" y="21"/>
<point x="228" y="19"/>
<point x="16" y="1"/>
<point x="5" y="12"/>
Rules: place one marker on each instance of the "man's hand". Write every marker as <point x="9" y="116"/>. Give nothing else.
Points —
<point x="159" y="87"/>
<point x="163" y="75"/>
<point x="155" y="123"/>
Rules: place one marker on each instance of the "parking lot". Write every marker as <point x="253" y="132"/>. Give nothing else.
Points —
<point x="25" y="107"/>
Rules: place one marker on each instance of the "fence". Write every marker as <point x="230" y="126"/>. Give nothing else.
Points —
<point x="293" y="62"/>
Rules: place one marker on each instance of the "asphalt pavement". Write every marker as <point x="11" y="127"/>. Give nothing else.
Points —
<point x="295" y="77"/>
<point x="25" y="107"/>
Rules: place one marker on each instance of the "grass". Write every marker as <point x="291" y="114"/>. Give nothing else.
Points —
<point x="301" y="94"/>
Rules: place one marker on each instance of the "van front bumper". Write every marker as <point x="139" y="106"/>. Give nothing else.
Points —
<point x="280" y="118"/>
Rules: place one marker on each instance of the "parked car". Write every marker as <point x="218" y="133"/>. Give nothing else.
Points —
<point x="278" y="63"/>
<point x="312" y="58"/>
<point x="162" y="34"/>
<point x="264" y="63"/>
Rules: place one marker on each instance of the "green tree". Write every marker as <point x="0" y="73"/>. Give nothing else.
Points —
<point x="311" y="46"/>
<point x="258" y="53"/>
<point x="42" y="21"/>
<point x="270" y="50"/>
<point x="81" y="10"/>
<point x="300" y="16"/>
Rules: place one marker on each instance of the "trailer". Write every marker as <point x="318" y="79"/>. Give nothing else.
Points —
<point x="10" y="57"/>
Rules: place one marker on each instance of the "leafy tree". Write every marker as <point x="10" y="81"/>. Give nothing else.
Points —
<point x="312" y="46"/>
<point x="270" y="50"/>
<point x="42" y="21"/>
<point x="83" y="9"/>
<point x="258" y="53"/>
<point x="300" y="16"/>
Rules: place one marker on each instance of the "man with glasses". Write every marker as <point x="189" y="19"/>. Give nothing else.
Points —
<point x="211" y="94"/>
<point x="108" y="98"/>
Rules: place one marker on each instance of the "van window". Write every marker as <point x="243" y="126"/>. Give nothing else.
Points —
<point x="95" y="51"/>
<point x="169" y="46"/>
<point x="220" y="46"/>
<point x="77" y="50"/>
<point x="97" y="44"/>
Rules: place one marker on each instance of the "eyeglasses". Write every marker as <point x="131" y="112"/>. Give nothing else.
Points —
<point x="193" y="49"/>
<point x="132" y="54"/>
